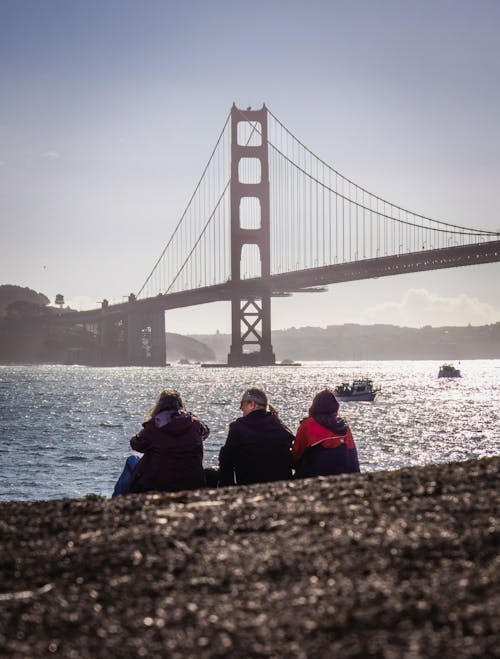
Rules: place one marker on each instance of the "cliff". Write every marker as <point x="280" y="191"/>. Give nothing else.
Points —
<point x="385" y="564"/>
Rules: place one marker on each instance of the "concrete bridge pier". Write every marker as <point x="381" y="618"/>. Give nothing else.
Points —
<point x="146" y="338"/>
<point x="112" y="340"/>
<point x="157" y="338"/>
<point x="135" y="347"/>
<point x="105" y="333"/>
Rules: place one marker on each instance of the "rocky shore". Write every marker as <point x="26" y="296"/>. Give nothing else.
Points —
<point x="383" y="564"/>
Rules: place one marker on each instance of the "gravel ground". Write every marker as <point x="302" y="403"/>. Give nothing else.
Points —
<point x="382" y="564"/>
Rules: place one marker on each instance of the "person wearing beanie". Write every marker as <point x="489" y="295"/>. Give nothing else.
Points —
<point x="324" y="444"/>
<point x="258" y="444"/>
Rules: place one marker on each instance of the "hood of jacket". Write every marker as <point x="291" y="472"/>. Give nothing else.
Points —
<point x="332" y="422"/>
<point x="174" y="422"/>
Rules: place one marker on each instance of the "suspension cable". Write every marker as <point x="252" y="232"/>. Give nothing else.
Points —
<point x="187" y="207"/>
<point x="254" y="129"/>
<point x="400" y="208"/>
<point x="464" y="230"/>
<point x="199" y="237"/>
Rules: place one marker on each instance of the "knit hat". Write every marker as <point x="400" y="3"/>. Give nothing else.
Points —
<point x="324" y="403"/>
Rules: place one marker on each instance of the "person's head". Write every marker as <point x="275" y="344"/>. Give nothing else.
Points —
<point x="324" y="403"/>
<point x="169" y="399"/>
<point x="253" y="399"/>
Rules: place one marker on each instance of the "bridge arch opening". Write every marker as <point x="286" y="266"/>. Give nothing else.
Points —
<point x="250" y="213"/>
<point x="249" y="171"/>
<point x="250" y="263"/>
<point x="249" y="133"/>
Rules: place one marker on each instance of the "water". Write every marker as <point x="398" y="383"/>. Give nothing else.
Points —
<point x="65" y="429"/>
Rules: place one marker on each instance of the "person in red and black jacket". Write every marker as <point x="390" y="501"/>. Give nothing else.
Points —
<point x="324" y="444"/>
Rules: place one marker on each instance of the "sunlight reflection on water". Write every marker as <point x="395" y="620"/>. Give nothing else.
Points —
<point x="66" y="428"/>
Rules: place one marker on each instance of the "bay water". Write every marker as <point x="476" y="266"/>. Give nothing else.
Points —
<point x="65" y="430"/>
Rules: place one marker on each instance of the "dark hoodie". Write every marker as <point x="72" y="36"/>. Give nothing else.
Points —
<point x="257" y="450"/>
<point x="172" y="443"/>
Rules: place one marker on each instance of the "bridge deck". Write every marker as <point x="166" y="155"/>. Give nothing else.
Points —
<point x="312" y="280"/>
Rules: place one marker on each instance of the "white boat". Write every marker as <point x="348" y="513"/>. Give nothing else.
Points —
<point x="362" y="390"/>
<point x="449" y="371"/>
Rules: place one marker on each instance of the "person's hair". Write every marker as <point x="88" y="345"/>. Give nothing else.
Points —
<point x="324" y="403"/>
<point x="259" y="397"/>
<point x="169" y="399"/>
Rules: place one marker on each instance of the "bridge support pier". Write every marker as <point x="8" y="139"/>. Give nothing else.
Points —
<point x="130" y="337"/>
<point x="158" y="342"/>
<point x="251" y="327"/>
<point x="251" y="316"/>
<point x="135" y="347"/>
<point x="146" y="338"/>
<point x="112" y="339"/>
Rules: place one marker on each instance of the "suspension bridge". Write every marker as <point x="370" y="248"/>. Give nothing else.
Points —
<point x="269" y="218"/>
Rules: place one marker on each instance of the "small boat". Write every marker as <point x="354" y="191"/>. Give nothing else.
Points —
<point x="449" y="371"/>
<point x="362" y="390"/>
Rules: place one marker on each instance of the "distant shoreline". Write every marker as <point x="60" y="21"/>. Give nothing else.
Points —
<point x="304" y="362"/>
<point x="351" y="342"/>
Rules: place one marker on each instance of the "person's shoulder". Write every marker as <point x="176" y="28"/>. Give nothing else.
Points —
<point x="235" y="424"/>
<point x="278" y="423"/>
<point x="236" y="427"/>
<point x="314" y="424"/>
<point x="200" y="425"/>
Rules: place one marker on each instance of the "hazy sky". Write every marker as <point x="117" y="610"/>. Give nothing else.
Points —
<point x="109" y="111"/>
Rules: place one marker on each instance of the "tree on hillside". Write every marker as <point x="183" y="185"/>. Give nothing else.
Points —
<point x="24" y="309"/>
<point x="10" y="293"/>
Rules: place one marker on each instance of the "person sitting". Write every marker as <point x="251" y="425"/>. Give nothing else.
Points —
<point x="257" y="448"/>
<point x="171" y="441"/>
<point x="324" y="444"/>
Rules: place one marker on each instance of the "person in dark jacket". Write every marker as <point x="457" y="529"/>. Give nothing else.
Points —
<point x="324" y="444"/>
<point x="258" y="445"/>
<point x="172" y="445"/>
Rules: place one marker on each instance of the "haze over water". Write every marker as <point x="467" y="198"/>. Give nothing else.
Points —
<point x="66" y="429"/>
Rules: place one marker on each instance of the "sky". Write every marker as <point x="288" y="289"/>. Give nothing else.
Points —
<point x="109" y="111"/>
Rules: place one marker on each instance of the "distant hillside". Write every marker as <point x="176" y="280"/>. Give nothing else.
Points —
<point x="10" y="293"/>
<point x="186" y="347"/>
<point x="358" y="342"/>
